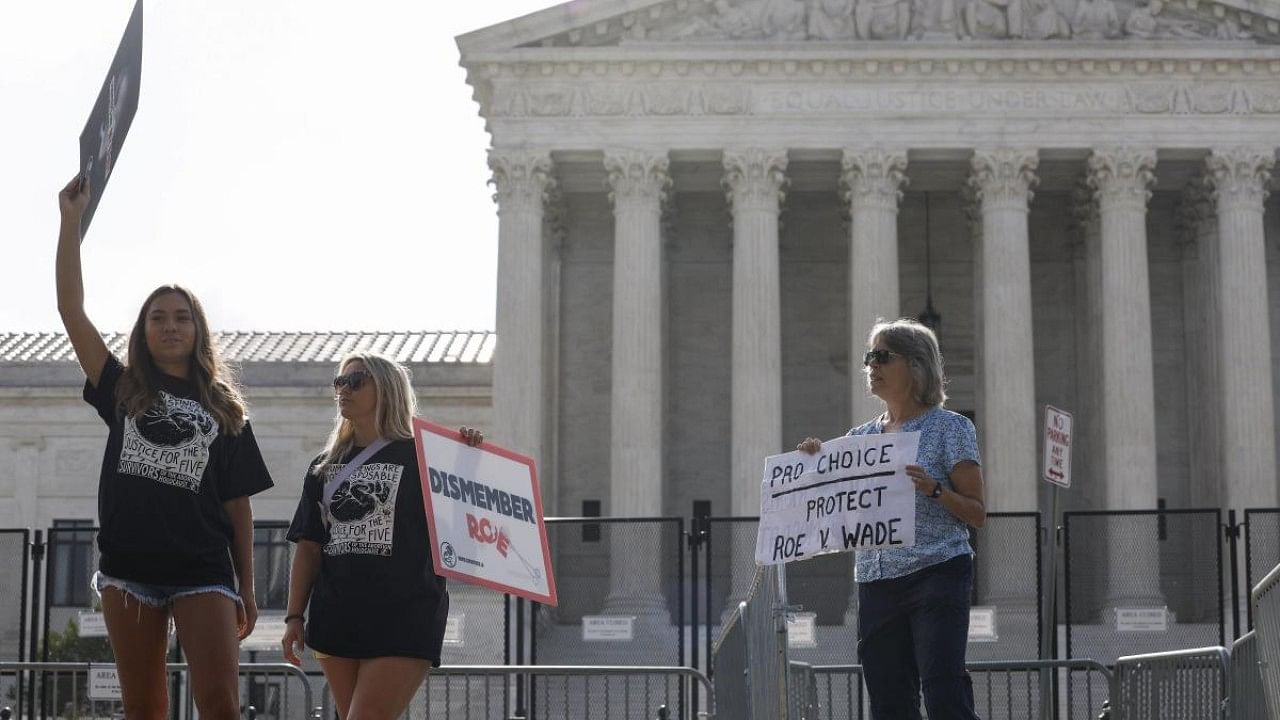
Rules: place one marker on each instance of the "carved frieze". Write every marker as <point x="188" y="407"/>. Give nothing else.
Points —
<point x="933" y="20"/>
<point x="669" y="99"/>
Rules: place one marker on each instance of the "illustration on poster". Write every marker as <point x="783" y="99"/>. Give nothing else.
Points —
<point x="116" y="92"/>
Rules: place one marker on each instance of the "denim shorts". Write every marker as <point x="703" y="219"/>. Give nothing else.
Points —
<point x="160" y="596"/>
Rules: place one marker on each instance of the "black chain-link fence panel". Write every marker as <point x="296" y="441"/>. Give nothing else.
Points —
<point x="622" y="599"/>
<point x="15" y="571"/>
<point x="1142" y="581"/>
<point x="1007" y="587"/>
<point x="1261" y="548"/>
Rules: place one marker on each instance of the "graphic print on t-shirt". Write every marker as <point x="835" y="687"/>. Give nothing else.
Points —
<point x="362" y="515"/>
<point x="169" y="443"/>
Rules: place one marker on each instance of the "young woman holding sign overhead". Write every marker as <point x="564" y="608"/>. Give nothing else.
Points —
<point x="176" y="529"/>
<point x="913" y="603"/>
<point x="362" y="568"/>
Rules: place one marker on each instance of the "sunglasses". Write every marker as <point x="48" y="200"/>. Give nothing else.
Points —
<point x="879" y="357"/>
<point x="352" y="380"/>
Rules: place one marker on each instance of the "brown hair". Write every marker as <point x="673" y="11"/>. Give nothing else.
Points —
<point x="214" y="382"/>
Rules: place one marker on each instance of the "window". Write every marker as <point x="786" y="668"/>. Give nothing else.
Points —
<point x="71" y="562"/>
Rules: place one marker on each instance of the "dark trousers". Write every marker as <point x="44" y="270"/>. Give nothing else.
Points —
<point x="912" y="634"/>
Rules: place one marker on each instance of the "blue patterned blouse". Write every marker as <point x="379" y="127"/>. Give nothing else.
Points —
<point x="946" y="439"/>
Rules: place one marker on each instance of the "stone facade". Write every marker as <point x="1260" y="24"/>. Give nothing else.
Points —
<point x="1098" y="237"/>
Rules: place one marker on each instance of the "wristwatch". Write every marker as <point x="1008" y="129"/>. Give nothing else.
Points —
<point x="937" y="490"/>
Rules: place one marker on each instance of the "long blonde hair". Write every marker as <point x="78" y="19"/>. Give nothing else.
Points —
<point x="394" y="410"/>
<point x="215" y="384"/>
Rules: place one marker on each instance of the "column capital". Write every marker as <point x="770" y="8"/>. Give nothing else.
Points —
<point x="1122" y="175"/>
<point x="755" y="177"/>
<point x="637" y="175"/>
<point x="1005" y="176"/>
<point x="520" y="176"/>
<point x="972" y="210"/>
<point x="873" y="176"/>
<point x="1239" y="175"/>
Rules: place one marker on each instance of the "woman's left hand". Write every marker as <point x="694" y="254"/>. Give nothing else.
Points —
<point x="471" y="436"/>
<point x="923" y="481"/>
<point x="246" y="616"/>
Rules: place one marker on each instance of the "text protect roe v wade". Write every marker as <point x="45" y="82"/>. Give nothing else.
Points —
<point x="852" y="494"/>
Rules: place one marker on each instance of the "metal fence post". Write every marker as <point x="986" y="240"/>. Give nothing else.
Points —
<point x="1233" y="538"/>
<point x="37" y="565"/>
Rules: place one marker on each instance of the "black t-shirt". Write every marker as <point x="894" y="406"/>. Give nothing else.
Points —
<point x="377" y="593"/>
<point x="165" y="475"/>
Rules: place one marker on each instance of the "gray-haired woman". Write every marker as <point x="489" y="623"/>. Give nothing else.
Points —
<point x="913" y="603"/>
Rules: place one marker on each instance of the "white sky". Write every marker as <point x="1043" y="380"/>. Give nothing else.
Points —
<point x="299" y="164"/>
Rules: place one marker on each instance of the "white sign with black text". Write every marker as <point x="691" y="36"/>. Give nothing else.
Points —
<point x="1142" y="619"/>
<point x="104" y="683"/>
<point x="91" y="624"/>
<point x="982" y="624"/>
<point x="852" y="494"/>
<point x="608" y="628"/>
<point x="1057" y="446"/>
<point x="454" y="628"/>
<point x="802" y="630"/>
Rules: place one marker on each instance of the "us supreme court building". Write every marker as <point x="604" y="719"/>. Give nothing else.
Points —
<point x="705" y="204"/>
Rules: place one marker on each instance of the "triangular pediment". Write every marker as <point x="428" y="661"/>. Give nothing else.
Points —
<point x="604" y="23"/>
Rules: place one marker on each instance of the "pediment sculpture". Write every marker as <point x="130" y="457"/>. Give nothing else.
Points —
<point x="932" y="20"/>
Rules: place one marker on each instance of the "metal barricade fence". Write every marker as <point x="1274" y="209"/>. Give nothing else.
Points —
<point x="1147" y="581"/>
<point x="1003" y="690"/>
<point x="1246" y="695"/>
<point x="1189" y="684"/>
<point x="750" y="656"/>
<point x="1265" y="600"/>
<point x="1261" y="548"/>
<point x="276" y="691"/>
<point x="485" y="692"/>
<point x="1007" y="585"/>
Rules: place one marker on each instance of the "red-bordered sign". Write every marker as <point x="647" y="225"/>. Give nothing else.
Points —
<point x="484" y="510"/>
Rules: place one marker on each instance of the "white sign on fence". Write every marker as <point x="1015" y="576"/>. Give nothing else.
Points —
<point x="266" y="634"/>
<point x="802" y="630"/>
<point x="1057" y="446"/>
<point x="1142" y="619"/>
<point x="453" y="629"/>
<point x="608" y="628"/>
<point x="982" y="624"/>
<point x="104" y="683"/>
<point x="91" y="624"/>
<point x="852" y="494"/>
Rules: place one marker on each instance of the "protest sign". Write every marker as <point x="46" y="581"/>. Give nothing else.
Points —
<point x="484" y="511"/>
<point x="852" y="494"/>
<point x="113" y="112"/>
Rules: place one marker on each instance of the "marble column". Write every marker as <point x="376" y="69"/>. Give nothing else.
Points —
<point x="638" y="182"/>
<point x="1003" y="179"/>
<point x="1239" y="177"/>
<point x="1121" y="178"/>
<point x="755" y="184"/>
<point x="523" y="180"/>
<point x="872" y="180"/>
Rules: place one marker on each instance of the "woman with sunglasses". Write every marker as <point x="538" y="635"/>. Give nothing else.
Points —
<point x="362" y="568"/>
<point x="176" y="528"/>
<point x="913" y="602"/>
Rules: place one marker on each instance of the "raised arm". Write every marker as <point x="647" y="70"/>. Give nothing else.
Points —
<point x="90" y="349"/>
